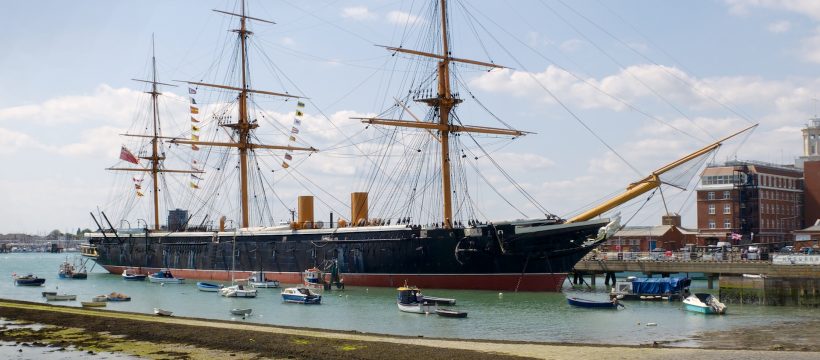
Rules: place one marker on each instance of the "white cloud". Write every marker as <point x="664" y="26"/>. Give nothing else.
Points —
<point x="106" y="103"/>
<point x="358" y="13"/>
<point x="779" y="27"/>
<point x="101" y="141"/>
<point x="572" y="45"/>
<point x="811" y="47"/>
<point x="640" y="85"/>
<point x="13" y="141"/>
<point x="402" y="18"/>
<point x="809" y="8"/>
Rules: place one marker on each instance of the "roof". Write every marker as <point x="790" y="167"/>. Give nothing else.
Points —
<point x="811" y="229"/>
<point x="635" y="231"/>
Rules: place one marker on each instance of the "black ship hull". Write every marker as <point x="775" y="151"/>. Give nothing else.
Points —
<point x="515" y="256"/>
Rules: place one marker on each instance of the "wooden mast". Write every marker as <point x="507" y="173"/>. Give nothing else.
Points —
<point x="650" y="182"/>
<point x="445" y="105"/>
<point x="444" y="102"/>
<point x="244" y="126"/>
<point x="155" y="141"/>
<point x="155" y="158"/>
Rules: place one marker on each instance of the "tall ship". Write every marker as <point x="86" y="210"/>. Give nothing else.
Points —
<point x="425" y="231"/>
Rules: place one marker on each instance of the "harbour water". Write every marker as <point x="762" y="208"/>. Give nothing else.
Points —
<point x="492" y="315"/>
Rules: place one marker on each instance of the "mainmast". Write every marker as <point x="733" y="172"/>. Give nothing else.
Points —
<point x="243" y="127"/>
<point x="156" y="158"/>
<point x="443" y="103"/>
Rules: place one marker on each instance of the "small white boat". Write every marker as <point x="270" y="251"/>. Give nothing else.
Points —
<point x="161" y="312"/>
<point x="704" y="304"/>
<point x="60" y="297"/>
<point x="132" y="275"/>
<point x="100" y="298"/>
<point x="164" y="276"/>
<point x="242" y="312"/>
<point x="238" y="291"/>
<point x="411" y="300"/>
<point x="258" y="280"/>
<point x="301" y="295"/>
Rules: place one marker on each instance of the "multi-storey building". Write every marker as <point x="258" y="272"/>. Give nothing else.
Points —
<point x="758" y="202"/>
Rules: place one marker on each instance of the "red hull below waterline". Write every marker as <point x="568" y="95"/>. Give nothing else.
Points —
<point x="500" y="282"/>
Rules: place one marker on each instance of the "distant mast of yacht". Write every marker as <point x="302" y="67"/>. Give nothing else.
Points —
<point x="243" y="128"/>
<point x="155" y="158"/>
<point x="444" y="102"/>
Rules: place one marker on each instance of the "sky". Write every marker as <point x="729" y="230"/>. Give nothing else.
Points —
<point x="610" y="89"/>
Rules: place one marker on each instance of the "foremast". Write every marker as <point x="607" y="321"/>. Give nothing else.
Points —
<point x="443" y="103"/>
<point x="243" y="127"/>
<point x="156" y="158"/>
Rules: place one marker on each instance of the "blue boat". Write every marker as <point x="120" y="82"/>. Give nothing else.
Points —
<point x="614" y="304"/>
<point x="28" y="280"/>
<point x="132" y="275"/>
<point x="208" y="287"/>
<point x="301" y="295"/>
<point x="164" y="276"/>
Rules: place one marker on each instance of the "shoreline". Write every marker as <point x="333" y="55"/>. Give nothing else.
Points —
<point x="256" y="340"/>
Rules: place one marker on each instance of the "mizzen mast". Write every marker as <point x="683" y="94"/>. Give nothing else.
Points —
<point x="443" y="103"/>
<point x="156" y="157"/>
<point x="243" y="127"/>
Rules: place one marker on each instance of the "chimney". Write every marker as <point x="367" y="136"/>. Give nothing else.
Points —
<point x="358" y="208"/>
<point x="305" y="212"/>
<point x="671" y="219"/>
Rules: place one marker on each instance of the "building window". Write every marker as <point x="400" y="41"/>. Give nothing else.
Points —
<point x="727" y="195"/>
<point x="727" y="208"/>
<point x="710" y="195"/>
<point x="727" y="224"/>
<point x="712" y="224"/>
<point x="711" y="208"/>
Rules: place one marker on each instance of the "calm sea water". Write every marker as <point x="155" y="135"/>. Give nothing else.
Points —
<point x="507" y="316"/>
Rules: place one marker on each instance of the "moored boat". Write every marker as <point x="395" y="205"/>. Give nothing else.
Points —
<point x="314" y="279"/>
<point x="115" y="296"/>
<point x="411" y="300"/>
<point x="611" y="304"/>
<point x="238" y="290"/>
<point x="69" y="271"/>
<point x="162" y="312"/>
<point x="704" y="304"/>
<point x="451" y="313"/>
<point x="242" y="312"/>
<point x="301" y="295"/>
<point x="28" y="280"/>
<point x="61" y="297"/>
<point x="100" y="298"/>
<point x="207" y="287"/>
<point x="49" y="293"/>
<point x="165" y="276"/>
<point x="259" y="280"/>
<point x="132" y="275"/>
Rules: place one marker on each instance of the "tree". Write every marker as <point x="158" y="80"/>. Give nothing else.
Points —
<point x="54" y="235"/>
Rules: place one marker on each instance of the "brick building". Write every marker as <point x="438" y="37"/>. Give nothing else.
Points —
<point x="670" y="236"/>
<point x="761" y="202"/>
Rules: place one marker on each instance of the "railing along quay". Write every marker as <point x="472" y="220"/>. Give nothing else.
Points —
<point x="712" y="265"/>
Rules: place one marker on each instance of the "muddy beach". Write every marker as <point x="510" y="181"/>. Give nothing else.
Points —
<point x="147" y="336"/>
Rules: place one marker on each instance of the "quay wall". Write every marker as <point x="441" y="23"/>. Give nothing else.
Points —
<point x="770" y="291"/>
